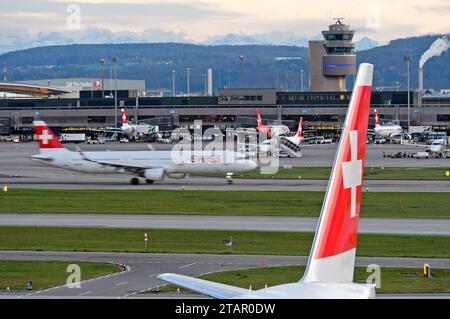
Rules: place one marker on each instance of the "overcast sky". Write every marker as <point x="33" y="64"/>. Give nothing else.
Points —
<point x="202" y="19"/>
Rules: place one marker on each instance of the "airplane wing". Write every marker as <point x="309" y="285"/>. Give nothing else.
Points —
<point x="209" y="288"/>
<point x="134" y="169"/>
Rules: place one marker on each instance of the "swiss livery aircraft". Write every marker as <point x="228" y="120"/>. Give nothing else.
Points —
<point x="388" y="130"/>
<point x="270" y="130"/>
<point x="329" y="273"/>
<point x="134" y="130"/>
<point x="149" y="165"/>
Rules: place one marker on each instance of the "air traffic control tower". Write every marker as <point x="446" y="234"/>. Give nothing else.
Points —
<point x="332" y="59"/>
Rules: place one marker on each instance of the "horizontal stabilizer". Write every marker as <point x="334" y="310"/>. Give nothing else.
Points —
<point x="209" y="288"/>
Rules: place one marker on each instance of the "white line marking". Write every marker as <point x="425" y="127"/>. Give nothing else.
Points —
<point x="122" y="283"/>
<point x="84" y="293"/>
<point x="185" y="266"/>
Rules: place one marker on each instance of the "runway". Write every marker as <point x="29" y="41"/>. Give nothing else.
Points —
<point x="18" y="171"/>
<point x="285" y="224"/>
<point x="143" y="268"/>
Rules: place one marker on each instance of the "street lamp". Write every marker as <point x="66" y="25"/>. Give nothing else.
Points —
<point x="407" y="58"/>
<point x="102" y="65"/>
<point x="115" y="60"/>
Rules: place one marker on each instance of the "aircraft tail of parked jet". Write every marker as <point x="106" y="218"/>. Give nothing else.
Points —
<point x="300" y="128"/>
<point x="377" y="121"/>
<point x="329" y="273"/>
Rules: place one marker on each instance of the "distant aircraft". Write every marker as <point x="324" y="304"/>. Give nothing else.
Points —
<point x="388" y="130"/>
<point x="298" y="137"/>
<point x="329" y="273"/>
<point x="270" y="130"/>
<point x="150" y="165"/>
<point x="135" y="130"/>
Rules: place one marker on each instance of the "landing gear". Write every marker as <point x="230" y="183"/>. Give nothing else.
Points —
<point x="134" y="181"/>
<point x="149" y="181"/>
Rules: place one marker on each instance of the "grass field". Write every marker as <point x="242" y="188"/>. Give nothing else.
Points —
<point x="204" y="242"/>
<point x="46" y="274"/>
<point x="370" y="173"/>
<point x="237" y="203"/>
<point x="393" y="280"/>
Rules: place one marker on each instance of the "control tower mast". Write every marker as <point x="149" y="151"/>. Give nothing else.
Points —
<point x="332" y="59"/>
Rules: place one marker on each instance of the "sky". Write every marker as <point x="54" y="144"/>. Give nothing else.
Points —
<point x="200" y="20"/>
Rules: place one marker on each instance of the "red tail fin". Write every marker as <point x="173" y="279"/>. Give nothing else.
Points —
<point x="300" y="128"/>
<point x="377" y="121"/>
<point x="46" y="138"/>
<point x="258" y="117"/>
<point x="332" y="257"/>
<point x="124" y="117"/>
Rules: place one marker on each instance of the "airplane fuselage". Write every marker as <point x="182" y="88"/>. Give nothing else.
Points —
<point x="388" y="130"/>
<point x="181" y="163"/>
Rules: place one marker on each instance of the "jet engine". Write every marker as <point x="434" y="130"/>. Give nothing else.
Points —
<point x="154" y="174"/>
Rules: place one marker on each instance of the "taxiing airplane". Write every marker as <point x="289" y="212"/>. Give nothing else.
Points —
<point x="388" y="130"/>
<point x="329" y="273"/>
<point x="150" y="165"/>
<point x="270" y="130"/>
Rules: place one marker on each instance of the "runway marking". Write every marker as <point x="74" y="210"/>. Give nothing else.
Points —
<point x="122" y="283"/>
<point x="154" y="275"/>
<point x="186" y="266"/>
<point x="84" y="293"/>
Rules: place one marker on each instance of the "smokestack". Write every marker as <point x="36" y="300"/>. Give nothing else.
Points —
<point x="419" y="99"/>
<point x="436" y="49"/>
<point x="210" y="82"/>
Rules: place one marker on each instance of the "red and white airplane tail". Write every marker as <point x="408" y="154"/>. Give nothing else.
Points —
<point x="48" y="141"/>
<point x="300" y="128"/>
<point x="124" y="117"/>
<point x="258" y="118"/>
<point x="377" y="121"/>
<point x="333" y="252"/>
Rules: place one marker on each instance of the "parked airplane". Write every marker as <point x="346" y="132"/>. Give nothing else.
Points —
<point x="298" y="137"/>
<point x="135" y="130"/>
<point x="329" y="273"/>
<point x="388" y="130"/>
<point x="270" y="130"/>
<point x="150" y="165"/>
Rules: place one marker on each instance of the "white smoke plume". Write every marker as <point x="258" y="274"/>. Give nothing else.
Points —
<point x="436" y="49"/>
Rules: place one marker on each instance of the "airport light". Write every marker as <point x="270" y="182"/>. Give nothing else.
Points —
<point x="174" y="74"/>
<point x="302" y="73"/>
<point x="407" y="58"/>
<point x="115" y="60"/>
<point x="102" y="66"/>
<point x="242" y="59"/>
<point x="188" y="72"/>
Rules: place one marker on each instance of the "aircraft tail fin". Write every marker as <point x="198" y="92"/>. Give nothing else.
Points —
<point x="300" y="128"/>
<point x="46" y="138"/>
<point x="124" y="117"/>
<point x="258" y="117"/>
<point x="332" y="257"/>
<point x="377" y="121"/>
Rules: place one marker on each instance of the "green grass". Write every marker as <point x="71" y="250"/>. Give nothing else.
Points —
<point x="393" y="280"/>
<point x="209" y="242"/>
<point x="46" y="274"/>
<point x="370" y="173"/>
<point x="245" y="203"/>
